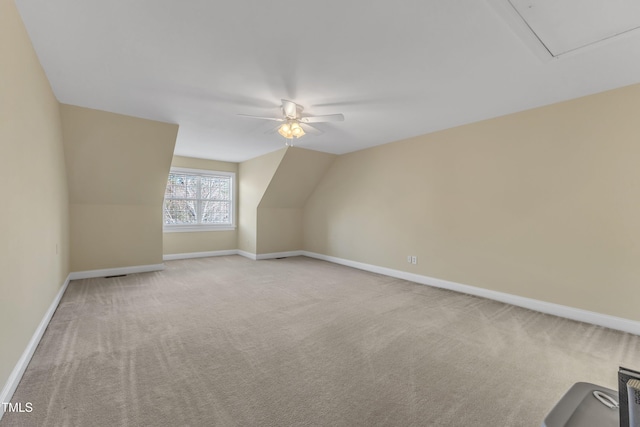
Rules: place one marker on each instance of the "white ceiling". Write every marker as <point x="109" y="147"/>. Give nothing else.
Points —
<point x="567" y="25"/>
<point x="394" y="69"/>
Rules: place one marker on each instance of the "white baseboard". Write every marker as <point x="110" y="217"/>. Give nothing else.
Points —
<point x="272" y="255"/>
<point x="246" y="254"/>
<point x="171" y="257"/>
<point x="89" y="274"/>
<point x="618" y="323"/>
<point x="16" y="375"/>
<point x="278" y="255"/>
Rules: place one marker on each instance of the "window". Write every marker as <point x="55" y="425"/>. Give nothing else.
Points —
<point x="198" y="200"/>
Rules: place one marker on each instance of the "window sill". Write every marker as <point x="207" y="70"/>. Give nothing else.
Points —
<point x="198" y="228"/>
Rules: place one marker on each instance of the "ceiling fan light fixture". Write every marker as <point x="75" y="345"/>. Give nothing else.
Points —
<point x="292" y="121"/>
<point x="285" y="130"/>
<point x="291" y="129"/>
<point x="297" y="130"/>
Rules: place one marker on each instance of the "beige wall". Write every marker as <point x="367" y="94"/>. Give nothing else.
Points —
<point x="279" y="222"/>
<point x="279" y="230"/>
<point x="543" y="204"/>
<point x="34" y="225"/>
<point x="204" y="241"/>
<point x="117" y="168"/>
<point x="207" y="241"/>
<point x="297" y="175"/>
<point x="213" y="165"/>
<point x="254" y="178"/>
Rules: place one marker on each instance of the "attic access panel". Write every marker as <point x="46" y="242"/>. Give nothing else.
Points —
<point x="563" y="26"/>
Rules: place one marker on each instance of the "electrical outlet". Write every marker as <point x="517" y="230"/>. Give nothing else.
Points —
<point x="409" y="259"/>
<point x="414" y="260"/>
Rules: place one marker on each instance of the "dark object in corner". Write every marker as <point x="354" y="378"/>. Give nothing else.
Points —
<point x="624" y="375"/>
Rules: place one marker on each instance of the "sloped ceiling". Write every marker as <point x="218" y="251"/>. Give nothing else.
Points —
<point x="295" y="179"/>
<point x="395" y="70"/>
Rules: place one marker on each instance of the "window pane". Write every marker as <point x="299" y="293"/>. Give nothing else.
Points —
<point x="178" y="212"/>
<point x="216" y="212"/>
<point x="198" y="200"/>
<point x="181" y="186"/>
<point x="216" y="187"/>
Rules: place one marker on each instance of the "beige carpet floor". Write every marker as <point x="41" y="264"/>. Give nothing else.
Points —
<point x="299" y="342"/>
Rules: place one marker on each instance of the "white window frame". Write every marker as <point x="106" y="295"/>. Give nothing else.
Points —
<point x="173" y="228"/>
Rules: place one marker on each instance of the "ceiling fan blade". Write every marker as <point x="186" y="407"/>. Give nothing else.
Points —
<point x="262" y="118"/>
<point x="311" y="130"/>
<point x="290" y="109"/>
<point x="321" y="119"/>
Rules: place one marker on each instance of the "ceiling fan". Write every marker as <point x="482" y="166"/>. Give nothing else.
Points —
<point x="295" y="124"/>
